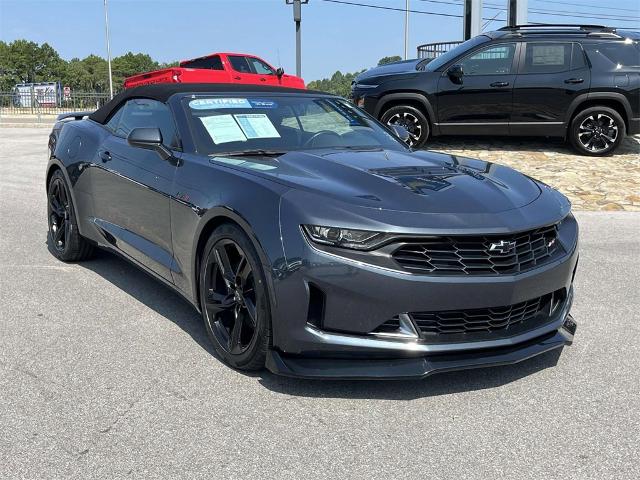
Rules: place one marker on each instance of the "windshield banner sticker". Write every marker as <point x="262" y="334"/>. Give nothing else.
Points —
<point x="212" y="103"/>
<point x="263" y="103"/>
<point x="256" y="125"/>
<point x="223" y="129"/>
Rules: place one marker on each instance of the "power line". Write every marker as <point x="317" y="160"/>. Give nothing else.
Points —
<point x="424" y="12"/>
<point x="493" y="6"/>
<point x="355" y="4"/>
<point x="554" y="13"/>
<point x="452" y="15"/>
<point x="586" y="5"/>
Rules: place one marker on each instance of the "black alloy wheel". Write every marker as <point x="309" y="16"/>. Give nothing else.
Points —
<point x="59" y="214"/>
<point x="597" y="131"/>
<point x="412" y="119"/>
<point x="233" y="299"/>
<point x="64" y="238"/>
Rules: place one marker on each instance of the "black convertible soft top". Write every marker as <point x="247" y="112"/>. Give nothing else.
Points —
<point x="162" y="92"/>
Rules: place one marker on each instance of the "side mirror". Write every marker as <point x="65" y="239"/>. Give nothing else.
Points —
<point x="455" y="73"/>
<point x="400" y="132"/>
<point x="149" y="139"/>
<point x="279" y="72"/>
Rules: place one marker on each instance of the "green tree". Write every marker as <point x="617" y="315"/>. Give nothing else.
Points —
<point x="338" y="84"/>
<point x="385" y="60"/>
<point x="131" y="64"/>
<point x="25" y="61"/>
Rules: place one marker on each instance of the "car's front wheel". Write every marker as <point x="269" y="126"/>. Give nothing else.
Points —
<point x="596" y="131"/>
<point x="233" y="299"/>
<point x="410" y="118"/>
<point x="64" y="237"/>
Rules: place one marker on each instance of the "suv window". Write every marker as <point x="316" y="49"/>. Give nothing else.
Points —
<point x="613" y="55"/>
<point x="444" y="58"/>
<point x="210" y="63"/>
<point x="492" y="60"/>
<point x="260" y="67"/>
<point x="547" y="57"/>
<point x="240" y="64"/>
<point x="142" y="112"/>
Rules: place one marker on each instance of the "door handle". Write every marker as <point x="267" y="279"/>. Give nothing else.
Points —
<point x="499" y="84"/>
<point x="263" y="79"/>
<point x="105" y="156"/>
<point x="574" y="80"/>
<point x="237" y="77"/>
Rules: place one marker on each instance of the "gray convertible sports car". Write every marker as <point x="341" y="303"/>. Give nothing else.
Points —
<point x="311" y="239"/>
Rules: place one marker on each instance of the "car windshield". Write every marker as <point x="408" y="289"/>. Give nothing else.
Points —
<point x="445" y="58"/>
<point x="275" y="123"/>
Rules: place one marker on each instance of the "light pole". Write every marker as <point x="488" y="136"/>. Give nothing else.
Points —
<point x="406" y="31"/>
<point x="106" y="28"/>
<point x="297" y="17"/>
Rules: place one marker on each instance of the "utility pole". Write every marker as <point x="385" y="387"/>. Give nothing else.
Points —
<point x="297" y="18"/>
<point x="517" y="12"/>
<point x="472" y="21"/>
<point x="106" y="29"/>
<point x="406" y="31"/>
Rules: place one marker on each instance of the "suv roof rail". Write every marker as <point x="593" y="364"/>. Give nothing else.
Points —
<point x="586" y="28"/>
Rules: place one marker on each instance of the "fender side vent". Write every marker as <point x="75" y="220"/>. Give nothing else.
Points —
<point x="315" y="314"/>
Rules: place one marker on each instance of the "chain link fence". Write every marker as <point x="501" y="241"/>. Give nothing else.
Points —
<point x="29" y="103"/>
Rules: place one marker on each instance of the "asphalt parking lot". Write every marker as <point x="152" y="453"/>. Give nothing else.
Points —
<point x="105" y="373"/>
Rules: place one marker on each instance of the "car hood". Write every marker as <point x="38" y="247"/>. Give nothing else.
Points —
<point x="389" y="69"/>
<point x="424" y="182"/>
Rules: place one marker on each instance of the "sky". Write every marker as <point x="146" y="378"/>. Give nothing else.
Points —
<point x="334" y="36"/>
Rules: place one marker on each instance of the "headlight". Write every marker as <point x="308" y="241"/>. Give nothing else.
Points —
<point x="344" y="237"/>
<point x="364" y="85"/>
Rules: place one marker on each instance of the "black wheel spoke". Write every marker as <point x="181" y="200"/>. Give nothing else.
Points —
<point x="217" y="302"/>
<point x="250" y="308"/>
<point x="59" y="231"/>
<point x="244" y="270"/>
<point x="224" y="263"/>
<point x="235" y="338"/>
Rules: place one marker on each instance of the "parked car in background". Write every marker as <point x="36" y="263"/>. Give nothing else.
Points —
<point x="310" y="237"/>
<point x="219" y="68"/>
<point x="577" y="82"/>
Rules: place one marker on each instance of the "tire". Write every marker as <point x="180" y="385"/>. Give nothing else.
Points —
<point x="410" y="118"/>
<point x="596" y="131"/>
<point x="63" y="236"/>
<point x="231" y="296"/>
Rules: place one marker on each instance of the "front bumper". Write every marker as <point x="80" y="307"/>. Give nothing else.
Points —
<point x="358" y="297"/>
<point x="418" y="367"/>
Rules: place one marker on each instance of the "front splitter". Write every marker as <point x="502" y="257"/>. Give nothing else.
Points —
<point x="417" y="367"/>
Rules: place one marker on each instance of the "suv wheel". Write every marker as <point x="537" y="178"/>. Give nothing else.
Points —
<point x="596" y="131"/>
<point x="410" y="118"/>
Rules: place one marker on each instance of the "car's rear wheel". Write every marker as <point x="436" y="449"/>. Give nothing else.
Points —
<point x="596" y="131"/>
<point x="410" y="118"/>
<point x="64" y="237"/>
<point x="233" y="299"/>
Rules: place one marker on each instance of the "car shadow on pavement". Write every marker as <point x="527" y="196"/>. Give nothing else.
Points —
<point x="174" y="308"/>
<point x="630" y="145"/>
<point x="151" y="292"/>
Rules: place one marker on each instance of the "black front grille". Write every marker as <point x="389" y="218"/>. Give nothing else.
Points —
<point x="519" y="316"/>
<point x="480" y="255"/>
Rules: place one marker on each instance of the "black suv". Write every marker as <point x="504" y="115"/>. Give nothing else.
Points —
<point x="580" y="82"/>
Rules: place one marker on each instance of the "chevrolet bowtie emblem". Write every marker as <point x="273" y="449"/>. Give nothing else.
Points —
<point x="503" y="246"/>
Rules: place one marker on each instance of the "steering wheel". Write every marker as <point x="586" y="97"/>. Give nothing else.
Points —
<point x="316" y="135"/>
